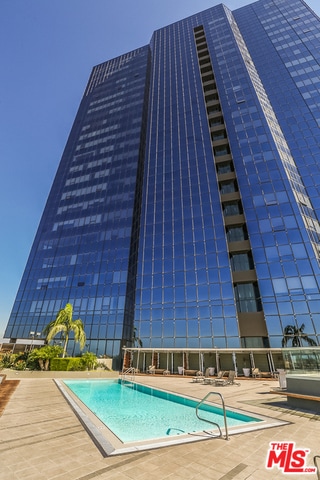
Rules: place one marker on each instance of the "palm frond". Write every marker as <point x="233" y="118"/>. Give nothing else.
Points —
<point x="55" y="330"/>
<point x="297" y="336"/>
<point x="79" y="333"/>
<point x="64" y="324"/>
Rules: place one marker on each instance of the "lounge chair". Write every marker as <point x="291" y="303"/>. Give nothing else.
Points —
<point x="199" y="377"/>
<point x="210" y="381"/>
<point x="206" y="379"/>
<point x="256" y="372"/>
<point x="157" y="371"/>
<point x="220" y="382"/>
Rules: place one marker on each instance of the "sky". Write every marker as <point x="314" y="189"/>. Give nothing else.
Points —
<point x="47" y="50"/>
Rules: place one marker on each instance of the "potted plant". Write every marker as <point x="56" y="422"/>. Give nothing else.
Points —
<point x="245" y="369"/>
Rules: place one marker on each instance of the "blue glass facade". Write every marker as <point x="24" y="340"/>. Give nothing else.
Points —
<point x="186" y="203"/>
<point x="84" y="251"/>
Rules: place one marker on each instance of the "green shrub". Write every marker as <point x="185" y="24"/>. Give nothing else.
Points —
<point x="59" y="364"/>
<point x="20" y="365"/>
<point x="66" y="364"/>
<point x="89" y="361"/>
<point x="32" y="364"/>
<point x="75" y="364"/>
<point x="16" y="361"/>
<point x="42" y="356"/>
<point x="7" y="360"/>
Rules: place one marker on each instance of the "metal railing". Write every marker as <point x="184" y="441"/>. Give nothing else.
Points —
<point x="209" y="421"/>
<point x="128" y="372"/>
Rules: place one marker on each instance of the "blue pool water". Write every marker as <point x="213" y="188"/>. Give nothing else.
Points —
<point x="136" y="412"/>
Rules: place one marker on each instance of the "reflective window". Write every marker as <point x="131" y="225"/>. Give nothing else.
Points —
<point x="232" y="208"/>
<point x="237" y="233"/>
<point x="241" y="261"/>
<point x="247" y="297"/>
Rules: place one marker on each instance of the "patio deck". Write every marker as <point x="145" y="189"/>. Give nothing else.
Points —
<point x="42" y="439"/>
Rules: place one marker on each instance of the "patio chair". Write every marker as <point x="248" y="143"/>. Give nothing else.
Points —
<point x="219" y="382"/>
<point x="199" y="377"/>
<point x="256" y="372"/>
<point x="210" y="381"/>
<point x="206" y="380"/>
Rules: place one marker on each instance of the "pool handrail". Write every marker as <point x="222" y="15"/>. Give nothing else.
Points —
<point x="130" y="370"/>
<point x="224" y="413"/>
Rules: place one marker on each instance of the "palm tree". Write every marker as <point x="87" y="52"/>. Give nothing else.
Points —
<point x="296" y="335"/>
<point x="65" y="324"/>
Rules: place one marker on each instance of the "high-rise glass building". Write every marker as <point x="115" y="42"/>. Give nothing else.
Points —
<point x="185" y="209"/>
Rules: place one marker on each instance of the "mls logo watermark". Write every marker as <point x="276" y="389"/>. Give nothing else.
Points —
<point x="288" y="458"/>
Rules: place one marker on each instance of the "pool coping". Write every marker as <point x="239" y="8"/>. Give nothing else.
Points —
<point x="110" y="445"/>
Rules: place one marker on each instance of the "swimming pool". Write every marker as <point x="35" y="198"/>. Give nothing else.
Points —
<point x="137" y="412"/>
<point x="124" y="417"/>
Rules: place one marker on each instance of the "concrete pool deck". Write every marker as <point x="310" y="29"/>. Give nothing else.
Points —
<point x="42" y="439"/>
